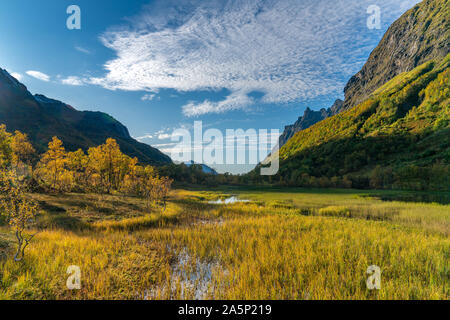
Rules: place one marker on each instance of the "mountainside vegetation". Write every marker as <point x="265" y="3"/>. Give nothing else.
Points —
<point x="392" y="130"/>
<point x="399" y="137"/>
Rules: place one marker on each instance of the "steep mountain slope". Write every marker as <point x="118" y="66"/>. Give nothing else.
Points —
<point x="309" y="118"/>
<point x="419" y="35"/>
<point x="394" y="130"/>
<point x="42" y="118"/>
<point x="404" y="125"/>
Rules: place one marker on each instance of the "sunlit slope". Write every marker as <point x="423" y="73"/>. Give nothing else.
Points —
<point x="404" y="122"/>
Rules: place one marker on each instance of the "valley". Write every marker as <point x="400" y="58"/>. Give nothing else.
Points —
<point x="353" y="203"/>
<point x="298" y="244"/>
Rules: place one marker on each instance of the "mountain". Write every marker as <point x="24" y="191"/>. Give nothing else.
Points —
<point x="394" y="130"/>
<point x="205" y="168"/>
<point x="419" y="35"/>
<point x="401" y="132"/>
<point x="309" y="118"/>
<point x="42" y="118"/>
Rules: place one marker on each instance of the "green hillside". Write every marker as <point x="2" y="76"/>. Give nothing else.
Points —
<point x="399" y="137"/>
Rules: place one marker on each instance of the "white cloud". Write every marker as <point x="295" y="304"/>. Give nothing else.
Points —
<point x="148" y="97"/>
<point x="72" y="81"/>
<point x="83" y="50"/>
<point x="160" y="146"/>
<point x="38" y="75"/>
<point x="16" y="75"/>
<point x="164" y="136"/>
<point x="235" y="101"/>
<point x="146" y="136"/>
<point x="288" y="49"/>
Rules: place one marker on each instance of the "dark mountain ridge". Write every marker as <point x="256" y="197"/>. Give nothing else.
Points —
<point x="42" y="118"/>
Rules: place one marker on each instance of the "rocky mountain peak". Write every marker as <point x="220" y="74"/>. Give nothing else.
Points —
<point x="309" y="118"/>
<point x="419" y="35"/>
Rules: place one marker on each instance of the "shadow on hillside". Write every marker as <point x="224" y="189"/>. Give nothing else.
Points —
<point x="406" y="161"/>
<point x="61" y="221"/>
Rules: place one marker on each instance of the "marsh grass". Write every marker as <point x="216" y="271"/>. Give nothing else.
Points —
<point x="113" y="266"/>
<point x="293" y="257"/>
<point x="284" y="244"/>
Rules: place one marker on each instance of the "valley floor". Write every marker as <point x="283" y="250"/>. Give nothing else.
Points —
<point x="282" y="244"/>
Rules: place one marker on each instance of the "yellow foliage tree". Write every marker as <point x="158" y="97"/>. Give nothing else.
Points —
<point x="77" y="162"/>
<point x="109" y="164"/>
<point x="22" y="153"/>
<point x="5" y="147"/>
<point x="155" y="189"/>
<point x="52" y="167"/>
<point x="132" y="178"/>
<point x="20" y="212"/>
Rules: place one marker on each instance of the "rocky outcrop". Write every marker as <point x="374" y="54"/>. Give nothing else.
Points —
<point x="419" y="35"/>
<point x="309" y="118"/>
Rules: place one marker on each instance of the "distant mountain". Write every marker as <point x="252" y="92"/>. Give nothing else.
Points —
<point x="42" y="118"/>
<point x="205" y="168"/>
<point x="308" y="119"/>
<point x="419" y="35"/>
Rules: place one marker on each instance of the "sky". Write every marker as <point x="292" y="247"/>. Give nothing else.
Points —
<point x="157" y="66"/>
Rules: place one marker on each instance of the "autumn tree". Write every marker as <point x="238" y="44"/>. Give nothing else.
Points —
<point x="148" y="190"/>
<point x="52" y="167"/>
<point x="112" y="157"/>
<point x="22" y="153"/>
<point x="155" y="189"/>
<point x="164" y="187"/>
<point x="5" y="148"/>
<point x="77" y="162"/>
<point x="131" y="183"/>
<point x="109" y="165"/>
<point x="19" y="211"/>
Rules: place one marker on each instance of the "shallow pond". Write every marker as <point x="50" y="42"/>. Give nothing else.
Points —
<point x="230" y="200"/>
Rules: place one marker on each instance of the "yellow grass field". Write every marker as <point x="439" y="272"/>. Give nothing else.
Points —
<point x="282" y="244"/>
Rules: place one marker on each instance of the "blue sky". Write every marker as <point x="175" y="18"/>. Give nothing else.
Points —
<point x="160" y="65"/>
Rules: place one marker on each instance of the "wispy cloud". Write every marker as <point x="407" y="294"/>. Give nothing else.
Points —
<point x="144" y="137"/>
<point x="148" y="97"/>
<point x="235" y="101"/>
<point x="164" y="136"/>
<point x="288" y="49"/>
<point x="16" y="75"/>
<point x="38" y="75"/>
<point x="73" y="81"/>
<point x="83" y="50"/>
